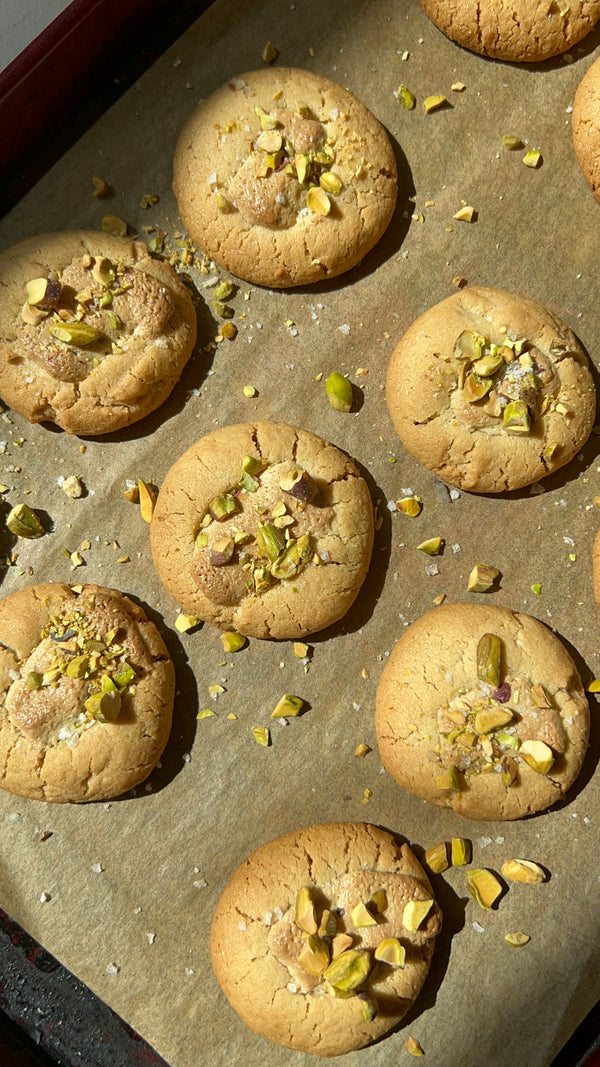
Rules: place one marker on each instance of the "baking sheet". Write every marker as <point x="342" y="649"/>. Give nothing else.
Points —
<point x="132" y="884"/>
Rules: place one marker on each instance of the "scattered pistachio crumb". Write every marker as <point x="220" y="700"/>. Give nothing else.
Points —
<point x="364" y="673"/>
<point x="269" y="53"/>
<point x="113" y="224"/>
<point x="405" y="97"/>
<point x="149" y="200"/>
<point x="414" y="1047"/>
<point x="432" y="103"/>
<point x="409" y="505"/>
<point x="536" y="588"/>
<point x="101" y="188"/>
<point x="532" y="159"/>
<point x="206" y="713"/>
<point x="184" y="622"/>
<point x="466" y="214"/>
<point x="457" y="87"/>
<point x="250" y="391"/>
<point x="261" y="735"/>
<point x="361" y="750"/>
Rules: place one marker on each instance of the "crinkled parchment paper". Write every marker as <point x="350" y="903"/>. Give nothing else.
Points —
<point x="133" y="883"/>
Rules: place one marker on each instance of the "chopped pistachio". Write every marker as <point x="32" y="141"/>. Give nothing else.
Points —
<point x="475" y="388"/>
<point x="469" y="345"/>
<point x="409" y="505"/>
<point x="288" y="707"/>
<point x="361" y="751"/>
<point x="391" y="951"/>
<point x="222" y="506"/>
<point x="431" y="103"/>
<point x="124" y="676"/>
<point x="261" y="735"/>
<point x="299" y="484"/>
<point x="147" y="499"/>
<point x="113" y="224"/>
<point x="414" y="1047"/>
<point x="184" y="622"/>
<point x="34" y="680"/>
<point x="269" y="53"/>
<point x="232" y="641"/>
<point x="330" y="182"/>
<point x="489" y="657"/>
<point x="223" y="204"/>
<point x="221" y="551"/>
<point x="361" y="916"/>
<point x="432" y="547"/>
<point x="228" y="331"/>
<point x="305" y="911"/>
<point x="249" y="391"/>
<point x="149" y="200"/>
<point x="348" y="971"/>
<point x="328" y="924"/>
<point x="405" y="97"/>
<point x="23" y="522"/>
<point x="518" y="939"/>
<point x="512" y="143"/>
<point x="43" y="292"/>
<point x="301" y="649"/>
<point x="74" y="333"/>
<point x="379" y="900"/>
<point x="488" y="364"/>
<point x="449" y="779"/>
<point x="517" y="418"/>
<point x="436" y="857"/>
<point x="492" y="719"/>
<point x="482" y="578"/>
<point x="271" y="541"/>
<point x="339" y="944"/>
<point x="73" y="487"/>
<point x="414" y="913"/>
<point x="104" y="706"/>
<point x="314" y="957"/>
<point x="339" y="391"/>
<point x="32" y="316"/>
<point x="318" y="201"/>
<point x="532" y="159"/>
<point x="101" y="188"/>
<point x="461" y="851"/>
<point x="484" y="886"/>
<point x="522" y="871"/>
<point x="538" y="755"/>
<point x="206" y="713"/>
<point x="466" y="213"/>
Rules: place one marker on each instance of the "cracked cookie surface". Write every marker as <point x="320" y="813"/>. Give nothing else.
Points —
<point x="350" y="883"/>
<point x="492" y="734"/>
<point x="86" y="693"/>
<point x="263" y="528"/>
<point x="585" y="123"/>
<point x="104" y="345"/>
<point x="519" y="30"/>
<point x="490" y="391"/>
<point x="284" y="177"/>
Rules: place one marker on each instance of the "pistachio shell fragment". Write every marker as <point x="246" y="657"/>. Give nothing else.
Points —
<point x="461" y="851"/>
<point x="482" y="578"/>
<point x="361" y="916"/>
<point x="415" y="912"/>
<point x="23" y="522"/>
<point x="391" y="951"/>
<point x="522" y="871"/>
<point x="538" y="755"/>
<point x="518" y="939"/>
<point x="339" y="391"/>
<point x="489" y="656"/>
<point x="305" y="911"/>
<point x="288" y="707"/>
<point x="348" y="970"/>
<point x="314" y="956"/>
<point x="436" y="858"/>
<point x="484" y="886"/>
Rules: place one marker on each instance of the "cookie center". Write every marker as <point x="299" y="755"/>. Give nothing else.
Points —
<point x="92" y="311"/>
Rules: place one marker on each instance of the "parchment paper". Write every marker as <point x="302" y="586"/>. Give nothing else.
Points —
<point x="133" y="883"/>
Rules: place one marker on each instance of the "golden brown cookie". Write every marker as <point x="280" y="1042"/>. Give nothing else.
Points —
<point x="94" y="333"/>
<point x="322" y="938"/>
<point x="490" y="391"/>
<point x="263" y="528"/>
<point x="87" y="689"/>
<point x="284" y="178"/>
<point x="585" y="122"/>
<point x="481" y="709"/>
<point x="523" y="31"/>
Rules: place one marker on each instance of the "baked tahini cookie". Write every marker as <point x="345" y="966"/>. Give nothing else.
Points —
<point x="481" y="709"/>
<point x="284" y="178"/>
<point x="490" y="391"/>
<point x="263" y="528"/>
<point x="94" y="333"/>
<point x="86" y="693"/>
<point x="585" y="122"/>
<point x="523" y="31"/>
<point x="323" y="938"/>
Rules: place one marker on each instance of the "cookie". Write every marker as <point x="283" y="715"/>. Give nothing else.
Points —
<point x="263" y="528"/>
<point x="94" y="333"/>
<point x="481" y="709"/>
<point x="585" y="122"/>
<point x="284" y="178"/>
<point x="86" y="693"/>
<point x="490" y="391"/>
<point x="313" y="942"/>
<point x="520" y="31"/>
